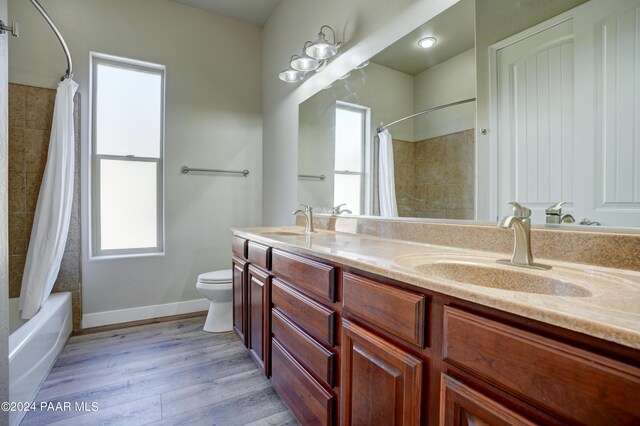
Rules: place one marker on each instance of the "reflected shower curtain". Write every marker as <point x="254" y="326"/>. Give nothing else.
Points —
<point x="53" y="211"/>
<point x="386" y="180"/>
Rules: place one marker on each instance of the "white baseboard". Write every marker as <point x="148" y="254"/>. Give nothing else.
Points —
<point x="143" y="312"/>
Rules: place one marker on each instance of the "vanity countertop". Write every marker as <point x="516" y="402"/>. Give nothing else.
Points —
<point x="597" y="301"/>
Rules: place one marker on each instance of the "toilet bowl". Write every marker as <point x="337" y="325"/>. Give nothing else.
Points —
<point x="216" y="286"/>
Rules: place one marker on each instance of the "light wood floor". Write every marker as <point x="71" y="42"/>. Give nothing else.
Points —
<point x="162" y="374"/>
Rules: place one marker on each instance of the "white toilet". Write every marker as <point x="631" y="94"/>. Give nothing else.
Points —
<point x="216" y="286"/>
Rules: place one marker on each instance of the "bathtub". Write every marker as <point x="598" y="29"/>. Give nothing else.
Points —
<point x="34" y="346"/>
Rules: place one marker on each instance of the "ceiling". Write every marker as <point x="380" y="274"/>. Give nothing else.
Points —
<point x="255" y="12"/>
<point x="455" y="30"/>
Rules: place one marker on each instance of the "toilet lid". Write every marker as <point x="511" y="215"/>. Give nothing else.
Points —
<point x="215" y="277"/>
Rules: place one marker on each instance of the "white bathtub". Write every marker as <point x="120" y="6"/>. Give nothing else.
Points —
<point x="34" y="346"/>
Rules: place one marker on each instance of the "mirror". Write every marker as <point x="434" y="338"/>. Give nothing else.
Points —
<point x="433" y="155"/>
<point x="433" y="166"/>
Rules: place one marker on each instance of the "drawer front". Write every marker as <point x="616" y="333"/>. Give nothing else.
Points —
<point x="311" y="316"/>
<point x="313" y="277"/>
<point x="239" y="247"/>
<point x="397" y="311"/>
<point x="315" y="357"/>
<point x="310" y="402"/>
<point x="570" y="382"/>
<point x="259" y="255"/>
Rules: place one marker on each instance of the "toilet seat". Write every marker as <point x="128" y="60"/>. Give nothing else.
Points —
<point x="216" y="277"/>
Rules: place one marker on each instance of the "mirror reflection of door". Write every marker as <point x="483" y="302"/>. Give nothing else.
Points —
<point x="567" y="116"/>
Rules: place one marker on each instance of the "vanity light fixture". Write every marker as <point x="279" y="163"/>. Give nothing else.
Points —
<point x="321" y="48"/>
<point x="304" y="62"/>
<point x="291" y="75"/>
<point x="314" y="57"/>
<point x="427" y="42"/>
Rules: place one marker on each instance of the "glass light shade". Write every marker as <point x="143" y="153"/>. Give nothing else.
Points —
<point x="427" y="42"/>
<point x="321" y="48"/>
<point x="304" y="63"/>
<point x="291" y="76"/>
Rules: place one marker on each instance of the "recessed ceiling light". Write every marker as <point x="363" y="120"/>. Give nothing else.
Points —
<point x="427" y="42"/>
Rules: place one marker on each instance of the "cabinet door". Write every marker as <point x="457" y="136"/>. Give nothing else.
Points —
<point x="240" y="301"/>
<point x="382" y="384"/>
<point x="461" y="405"/>
<point x="259" y="286"/>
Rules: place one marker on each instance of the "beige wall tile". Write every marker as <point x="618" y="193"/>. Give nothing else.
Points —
<point x="16" y="149"/>
<point x="32" y="189"/>
<point x="36" y="144"/>
<point x="17" y="191"/>
<point x="39" y="107"/>
<point x="16" y="267"/>
<point x="20" y="224"/>
<point x="17" y="100"/>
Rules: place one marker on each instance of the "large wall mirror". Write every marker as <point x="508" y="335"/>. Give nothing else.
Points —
<point x="564" y="120"/>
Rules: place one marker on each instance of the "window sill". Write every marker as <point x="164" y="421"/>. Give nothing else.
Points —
<point x="125" y="256"/>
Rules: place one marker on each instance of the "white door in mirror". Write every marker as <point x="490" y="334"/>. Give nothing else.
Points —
<point x="567" y="116"/>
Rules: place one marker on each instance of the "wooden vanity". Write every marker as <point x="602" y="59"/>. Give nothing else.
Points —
<point x="342" y="345"/>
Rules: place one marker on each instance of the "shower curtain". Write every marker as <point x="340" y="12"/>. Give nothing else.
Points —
<point x="53" y="211"/>
<point x="386" y="180"/>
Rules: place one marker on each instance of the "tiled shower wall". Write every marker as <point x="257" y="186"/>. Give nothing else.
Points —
<point x="435" y="177"/>
<point x="30" y="115"/>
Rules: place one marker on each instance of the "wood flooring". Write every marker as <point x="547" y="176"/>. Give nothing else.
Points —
<point x="170" y="373"/>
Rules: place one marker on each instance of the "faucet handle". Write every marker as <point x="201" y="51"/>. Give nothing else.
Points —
<point x="519" y="210"/>
<point x="556" y="208"/>
<point x="306" y="208"/>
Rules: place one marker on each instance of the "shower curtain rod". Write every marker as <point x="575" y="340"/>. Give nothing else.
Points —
<point x="47" y="18"/>
<point x="382" y="128"/>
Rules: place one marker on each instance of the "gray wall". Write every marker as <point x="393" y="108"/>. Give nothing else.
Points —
<point x="4" y="236"/>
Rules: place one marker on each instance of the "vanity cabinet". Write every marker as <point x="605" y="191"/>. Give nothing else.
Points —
<point x="381" y="383"/>
<point x="259" y="305"/>
<point x="344" y="346"/>
<point x="239" y="267"/>
<point x="461" y="405"/>
<point x="240" y="271"/>
<point x="305" y="342"/>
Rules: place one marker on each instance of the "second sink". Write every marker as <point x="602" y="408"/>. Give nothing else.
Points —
<point x="503" y="279"/>
<point x="482" y="272"/>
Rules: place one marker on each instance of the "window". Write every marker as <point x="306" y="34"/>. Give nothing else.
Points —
<point x="127" y="169"/>
<point x="349" y="156"/>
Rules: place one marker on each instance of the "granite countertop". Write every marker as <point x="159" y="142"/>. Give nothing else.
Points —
<point x="597" y="301"/>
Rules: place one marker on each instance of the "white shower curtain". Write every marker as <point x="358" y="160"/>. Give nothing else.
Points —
<point x="53" y="211"/>
<point x="386" y="180"/>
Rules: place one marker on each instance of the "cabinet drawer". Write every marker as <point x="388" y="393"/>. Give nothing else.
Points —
<point x="314" y="318"/>
<point x="397" y="311"/>
<point x="313" y="277"/>
<point x="239" y="247"/>
<point x="571" y="382"/>
<point x="259" y="255"/>
<point x="310" y="402"/>
<point x="314" y="356"/>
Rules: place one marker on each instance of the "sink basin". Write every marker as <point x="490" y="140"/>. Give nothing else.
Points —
<point x="504" y="279"/>
<point x="485" y="273"/>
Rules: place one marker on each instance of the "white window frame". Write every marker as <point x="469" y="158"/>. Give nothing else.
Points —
<point x="129" y="64"/>
<point x="365" y="112"/>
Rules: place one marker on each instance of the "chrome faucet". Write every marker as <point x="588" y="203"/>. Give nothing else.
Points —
<point x="554" y="214"/>
<point x="521" y="224"/>
<point x="338" y="210"/>
<point x="308" y="215"/>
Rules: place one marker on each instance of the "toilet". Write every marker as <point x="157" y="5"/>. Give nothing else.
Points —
<point x="216" y="286"/>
